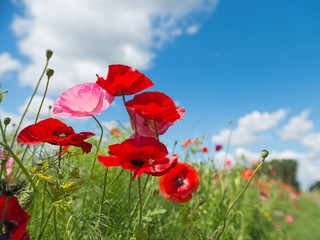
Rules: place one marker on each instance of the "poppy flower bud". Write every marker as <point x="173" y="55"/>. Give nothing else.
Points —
<point x="229" y="121"/>
<point x="49" y="72"/>
<point x="49" y="53"/>
<point x="25" y="199"/>
<point x="7" y="121"/>
<point x="264" y="154"/>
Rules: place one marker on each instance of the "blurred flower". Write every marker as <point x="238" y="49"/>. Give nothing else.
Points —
<point x="228" y="163"/>
<point x="146" y="126"/>
<point x="179" y="183"/>
<point x="204" y="149"/>
<point x="276" y="225"/>
<point x="196" y="141"/>
<point x="186" y="143"/>
<point x="83" y="100"/>
<point x="289" y="219"/>
<point x="116" y="133"/>
<point x="122" y="79"/>
<point x="54" y="132"/>
<point x="218" y="147"/>
<point x="156" y="106"/>
<point x="15" y="220"/>
<point x="255" y="162"/>
<point x="293" y="196"/>
<point x="9" y="163"/>
<point x="273" y="172"/>
<point x="140" y="155"/>
<point x="247" y="173"/>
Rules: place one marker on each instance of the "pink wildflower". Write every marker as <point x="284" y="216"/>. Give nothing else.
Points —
<point x="289" y="219"/>
<point x="83" y="100"/>
<point x="293" y="196"/>
<point x="8" y="164"/>
<point x="228" y="163"/>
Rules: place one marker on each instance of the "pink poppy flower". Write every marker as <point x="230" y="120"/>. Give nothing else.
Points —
<point x="83" y="100"/>
<point x="289" y="219"/>
<point x="8" y="164"/>
<point x="145" y="126"/>
<point x="228" y="163"/>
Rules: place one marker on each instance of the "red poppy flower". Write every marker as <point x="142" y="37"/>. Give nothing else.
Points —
<point x="218" y="147"/>
<point x="205" y="150"/>
<point x="142" y="154"/>
<point x="15" y="220"/>
<point x="54" y="132"/>
<point x="122" y="79"/>
<point x="179" y="183"/>
<point x="247" y="173"/>
<point x="157" y="106"/>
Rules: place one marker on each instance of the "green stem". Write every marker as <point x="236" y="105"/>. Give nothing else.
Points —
<point x="45" y="223"/>
<point x="228" y="145"/>
<point x="4" y="213"/>
<point x="98" y="147"/>
<point x="238" y="197"/>
<point x="43" y="97"/>
<point x="43" y="202"/>
<point x="64" y="225"/>
<point x="129" y="194"/>
<point x="25" y="111"/>
<point x="55" y="223"/>
<point x="104" y="191"/>
<point x="17" y="160"/>
<point x="134" y="123"/>
<point x="140" y="204"/>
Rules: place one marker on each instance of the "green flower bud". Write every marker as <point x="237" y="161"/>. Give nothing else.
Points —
<point x="49" y="53"/>
<point x="264" y="154"/>
<point x="7" y="121"/>
<point x="26" y="198"/>
<point x="49" y="72"/>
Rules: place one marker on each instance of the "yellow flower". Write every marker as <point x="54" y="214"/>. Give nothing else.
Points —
<point x="67" y="185"/>
<point x="43" y="177"/>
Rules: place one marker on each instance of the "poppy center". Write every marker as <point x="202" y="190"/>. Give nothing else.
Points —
<point x="179" y="181"/>
<point x="137" y="162"/>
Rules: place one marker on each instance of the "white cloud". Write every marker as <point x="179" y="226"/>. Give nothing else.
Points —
<point x="34" y="107"/>
<point x="249" y="127"/>
<point x="87" y="35"/>
<point x="110" y="124"/>
<point x="297" y="127"/>
<point x="193" y="29"/>
<point x="8" y="64"/>
<point x="312" y="141"/>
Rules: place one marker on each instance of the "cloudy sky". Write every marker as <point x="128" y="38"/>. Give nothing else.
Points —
<point x="253" y="62"/>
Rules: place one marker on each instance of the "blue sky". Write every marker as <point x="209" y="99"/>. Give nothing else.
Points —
<point x="254" y="62"/>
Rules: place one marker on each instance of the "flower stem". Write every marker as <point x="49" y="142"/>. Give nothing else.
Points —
<point x="140" y="204"/>
<point x="55" y="223"/>
<point x="25" y="111"/>
<point x="228" y="145"/>
<point x="155" y="127"/>
<point x="239" y="196"/>
<point x="46" y="222"/>
<point x="131" y="118"/>
<point x="104" y="191"/>
<point x="43" y="202"/>
<point x="4" y="213"/>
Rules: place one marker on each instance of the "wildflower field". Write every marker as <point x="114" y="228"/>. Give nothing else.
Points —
<point x="125" y="184"/>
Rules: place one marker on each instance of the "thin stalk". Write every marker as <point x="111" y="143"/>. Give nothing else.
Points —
<point x="17" y="160"/>
<point x="134" y="123"/>
<point x="140" y="204"/>
<point x="4" y="212"/>
<point x="155" y="127"/>
<point x="43" y="202"/>
<point x="104" y="191"/>
<point x="26" y="110"/>
<point x="129" y="193"/>
<point x="228" y="145"/>
<point x="98" y="147"/>
<point x="55" y="223"/>
<point x="64" y="225"/>
<point x="45" y="223"/>
<point x="239" y="196"/>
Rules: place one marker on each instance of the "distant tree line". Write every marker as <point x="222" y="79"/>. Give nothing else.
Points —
<point x="284" y="170"/>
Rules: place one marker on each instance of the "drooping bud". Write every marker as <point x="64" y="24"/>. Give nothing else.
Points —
<point x="26" y="198"/>
<point x="50" y="72"/>
<point x="7" y="121"/>
<point x="264" y="154"/>
<point x="49" y="53"/>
